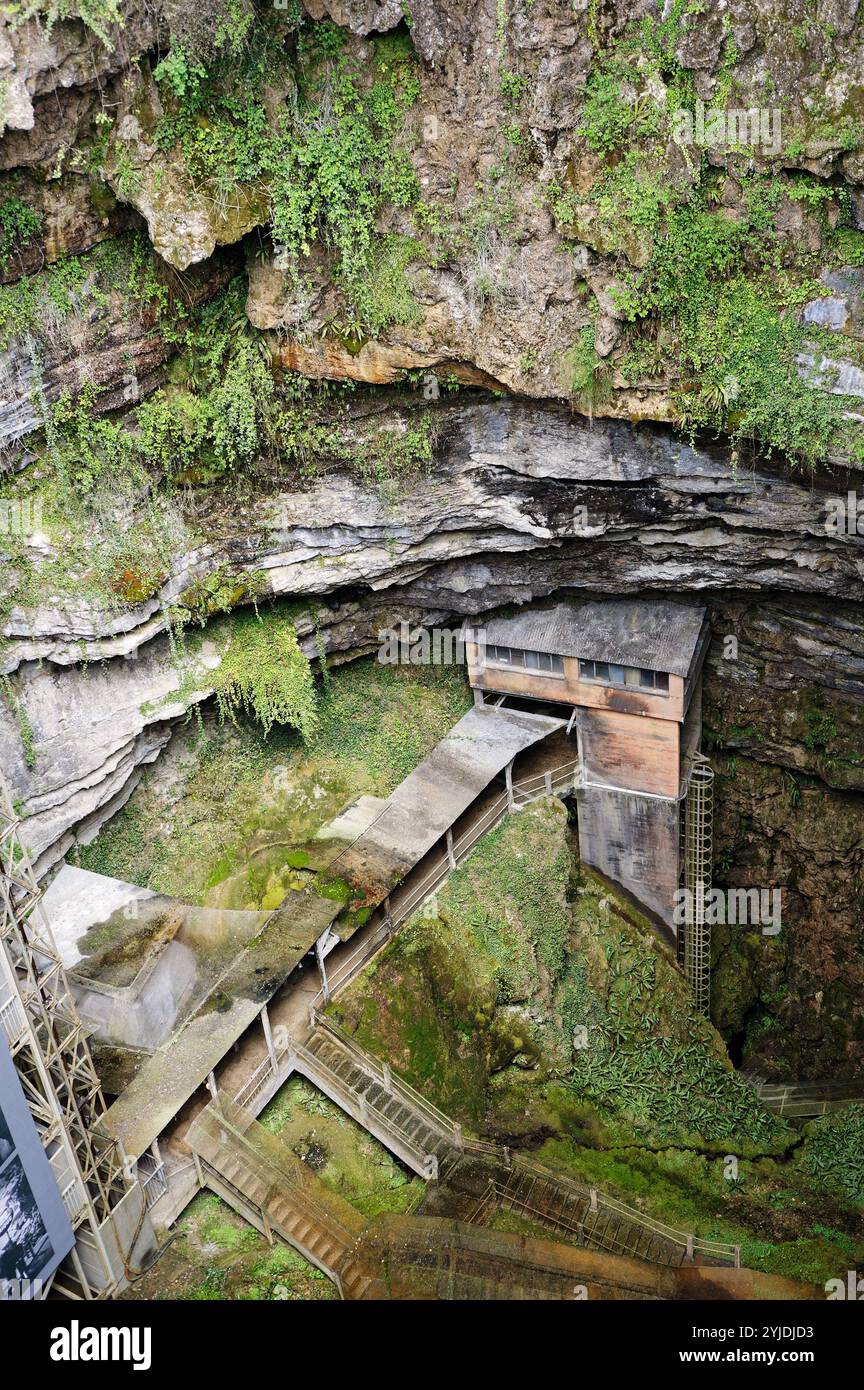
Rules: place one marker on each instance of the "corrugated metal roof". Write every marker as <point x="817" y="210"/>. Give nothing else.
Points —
<point x="631" y="632"/>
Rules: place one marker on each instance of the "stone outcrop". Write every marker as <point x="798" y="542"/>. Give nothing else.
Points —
<point x="520" y="500"/>
<point x="504" y="291"/>
<point x="184" y="222"/>
<point x="104" y="341"/>
<point x="36" y="63"/>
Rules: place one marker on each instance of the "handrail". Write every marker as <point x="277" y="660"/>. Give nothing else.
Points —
<point x="417" y="894"/>
<point x="688" y="1240"/>
<point x="580" y="1229"/>
<point x="275" y="1177"/>
<point x="391" y="1080"/>
<point x="355" y="1101"/>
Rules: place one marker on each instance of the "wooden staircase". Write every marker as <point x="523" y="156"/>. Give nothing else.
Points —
<point x="575" y="1213"/>
<point x="390" y="1109"/>
<point x="432" y="1144"/>
<point x="279" y="1195"/>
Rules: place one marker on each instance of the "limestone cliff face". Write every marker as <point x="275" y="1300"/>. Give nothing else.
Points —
<point x="521" y="241"/>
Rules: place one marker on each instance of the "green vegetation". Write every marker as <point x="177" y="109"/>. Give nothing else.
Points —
<point x="473" y="977"/>
<point x="98" y="15"/>
<point x="42" y="305"/>
<point x="330" y="163"/>
<point x="738" y="347"/>
<point x="22" y="719"/>
<point x="222" y="415"/>
<point x="535" y="1005"/>
<point x="265" y="674"/>
<point x="19" y="224"/>
<point x="834" y="1152"/>
<point x="216" y="1255"/>
<point x="247" y="805"/>
<point x="821" y="729"/>
<point x="589" y="375"/>
<point x="712" y="292"/>
<point x="340" y="1152"/>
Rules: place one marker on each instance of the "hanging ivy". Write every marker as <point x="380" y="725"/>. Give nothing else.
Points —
<point x="265" y="674"/>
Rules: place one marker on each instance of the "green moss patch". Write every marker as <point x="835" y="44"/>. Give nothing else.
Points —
<point x="233" y="824"/>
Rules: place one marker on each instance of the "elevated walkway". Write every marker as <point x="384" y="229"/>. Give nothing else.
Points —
<point x="806" y="1099"/>
<point x="389" y="838"/>
<point x="435" y="1147"/>
<point x="391" y="1110"/>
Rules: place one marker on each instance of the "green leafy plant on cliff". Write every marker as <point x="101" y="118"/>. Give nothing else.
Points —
<point x="98" y="15"/>
<point x="834" y="1151"/>
<point x="341" y="163"/>
<point x="589" y="376"/>
<point x="821" y="729"/>
<point x="265" y="674"/>
<point x="330" y="161"/>
<point x="738" y="348"/>
<point x="19" y="224"/>
<point x="221" y="412"/>
<point x="22" y="719"/>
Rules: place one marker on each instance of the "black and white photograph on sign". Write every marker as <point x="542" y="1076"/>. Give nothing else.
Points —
<point x="6" y="1144"/>
<point x="25" y="1246"/>
<point x="35" y="1232"/>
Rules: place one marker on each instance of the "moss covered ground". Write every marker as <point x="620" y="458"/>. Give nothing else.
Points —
<point x="535" y="1005"/>
<point x="340" y="1151"/>
<point x="227" y="816"/>
<point x="216" y="1256"/>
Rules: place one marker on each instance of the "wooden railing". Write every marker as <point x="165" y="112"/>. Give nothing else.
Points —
<point x="392" y="1082"/>
<point x="551" y="783"/>
<point x="687" y="1242"/>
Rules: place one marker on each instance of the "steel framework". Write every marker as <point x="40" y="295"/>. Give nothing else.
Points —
<point x="697" y="833"/>
<point x="42" y="1028"/>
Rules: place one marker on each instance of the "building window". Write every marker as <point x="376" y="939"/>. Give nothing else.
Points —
<point x="654" y="680"/>
<point x="529" y="661"/>
<point x="610" y="673"/>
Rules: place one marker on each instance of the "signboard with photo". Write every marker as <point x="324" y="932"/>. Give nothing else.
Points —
<point x="35" y="1234"/>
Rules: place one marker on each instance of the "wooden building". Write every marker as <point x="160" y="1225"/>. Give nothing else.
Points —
<point x="630" y="671"/>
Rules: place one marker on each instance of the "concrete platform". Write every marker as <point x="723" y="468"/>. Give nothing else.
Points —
<point x="386" y="838"/>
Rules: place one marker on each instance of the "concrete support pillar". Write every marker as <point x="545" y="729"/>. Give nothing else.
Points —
<point x="265" y="1222"/>
<point x="593" y="1201"/>
<point x="319" y="956"/>
<point x="690" y="1247"/>
<point x="213" y="1088"/>
<point x="268" y="1036"/>
<point x="388" y="915"/>
<point x="479" y="698"/>
<point x="154" y="1149"/>
<point x="547" y="782"/>
<point x="450" y="855"/>
<point x="508" y="777"/>
<point x="198" y="1171"/>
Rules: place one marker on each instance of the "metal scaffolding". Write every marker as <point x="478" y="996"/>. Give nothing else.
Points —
<point x="42" y="1028"/>
<point x="697" y="833"/>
